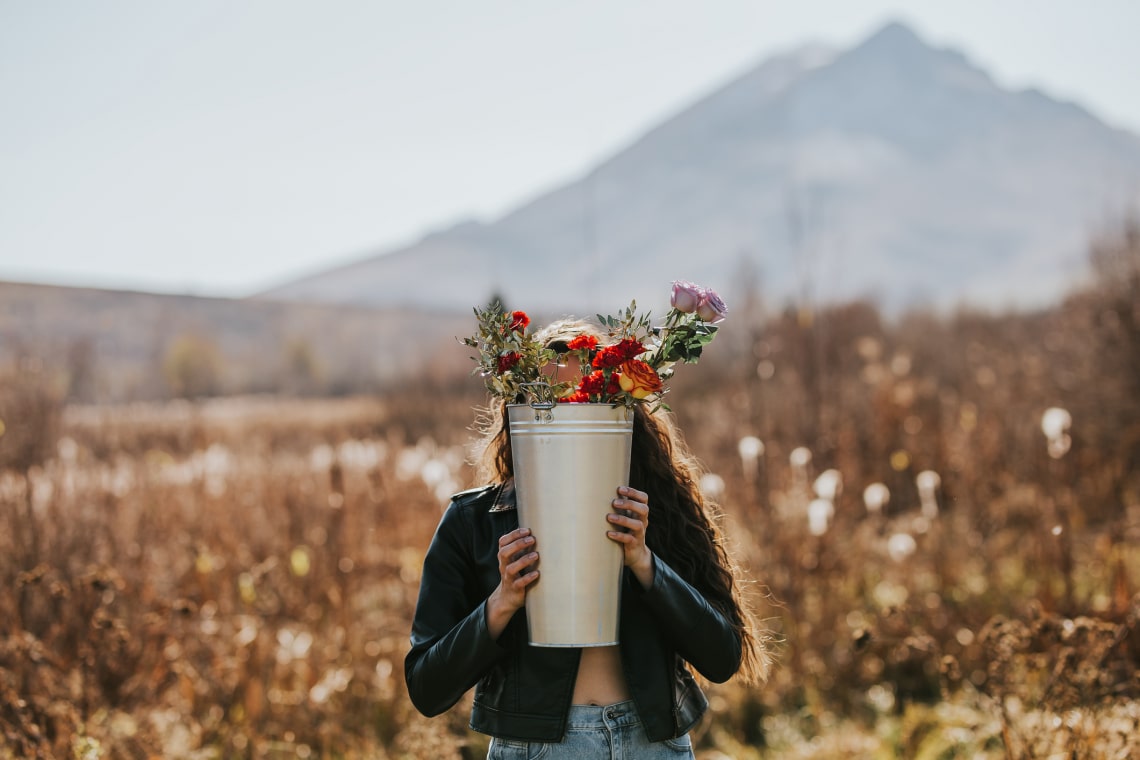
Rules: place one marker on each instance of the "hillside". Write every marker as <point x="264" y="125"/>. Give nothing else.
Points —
<point x="892" y="170"/>
<point x="119" y="345"/>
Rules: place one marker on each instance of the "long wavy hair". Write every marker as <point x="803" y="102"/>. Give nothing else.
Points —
<point x="684" y="527"/>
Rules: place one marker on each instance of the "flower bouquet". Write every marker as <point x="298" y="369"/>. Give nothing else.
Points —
<point x="560" y="429"/>
<point x="629" y="364"/>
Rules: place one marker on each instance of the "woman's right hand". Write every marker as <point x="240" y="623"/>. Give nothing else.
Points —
<point x="517" y="571"/>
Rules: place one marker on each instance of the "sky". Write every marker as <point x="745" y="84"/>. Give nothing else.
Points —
<point x="221" y="147"/>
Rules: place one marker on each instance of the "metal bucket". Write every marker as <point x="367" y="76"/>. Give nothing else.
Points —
<point x="569" y="460"/>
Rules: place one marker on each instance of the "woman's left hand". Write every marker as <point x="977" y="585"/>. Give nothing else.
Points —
<point x="631" y="514"/>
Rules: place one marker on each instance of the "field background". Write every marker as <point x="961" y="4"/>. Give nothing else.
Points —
<point x="233" y="577"/>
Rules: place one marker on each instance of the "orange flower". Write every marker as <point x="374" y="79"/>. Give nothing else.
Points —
<point x="638" y="379"/>
<point x="583" y="343"/>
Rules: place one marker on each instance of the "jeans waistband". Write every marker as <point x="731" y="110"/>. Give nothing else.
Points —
<point x="598" y="716"/>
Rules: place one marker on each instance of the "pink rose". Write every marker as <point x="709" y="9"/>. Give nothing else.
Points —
<point x="686" y="296"/>
<point x="711" y="308"/>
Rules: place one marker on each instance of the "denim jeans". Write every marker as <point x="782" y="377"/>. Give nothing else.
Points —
<point x="612" y="732"/>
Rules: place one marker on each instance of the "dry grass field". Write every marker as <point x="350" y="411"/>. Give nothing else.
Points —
<point x="234" y="578"/>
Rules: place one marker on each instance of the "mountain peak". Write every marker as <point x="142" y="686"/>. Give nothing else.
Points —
<point x="894" y="34"/>
<point x="893" y="45"/>
<point x="896" y="167"/>
<point x="896" y="52"/>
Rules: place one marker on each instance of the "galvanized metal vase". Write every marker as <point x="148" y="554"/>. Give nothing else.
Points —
<point x="569" y="460"/>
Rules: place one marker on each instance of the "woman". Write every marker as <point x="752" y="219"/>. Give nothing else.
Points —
<point x="680" y="604"/>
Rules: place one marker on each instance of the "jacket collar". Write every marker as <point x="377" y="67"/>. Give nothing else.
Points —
<point x="505" y="498"/>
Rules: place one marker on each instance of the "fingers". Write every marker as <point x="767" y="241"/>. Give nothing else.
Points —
<point x="513" y="544"/>
<point x="630" y="518"/>
<point x="517" y="557"/>
<point x="633" y="494"/>
<point x="513" y="536"/>
<point x="521" y="573"/>
<point x="632" y="509"/>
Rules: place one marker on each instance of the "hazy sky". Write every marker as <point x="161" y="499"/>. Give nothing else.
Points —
<point x="221" y="147"/>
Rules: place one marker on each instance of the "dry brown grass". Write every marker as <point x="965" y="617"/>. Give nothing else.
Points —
<point x="236" y="578"/>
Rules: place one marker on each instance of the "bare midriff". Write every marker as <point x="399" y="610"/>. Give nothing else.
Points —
<point x="601" y="680"/>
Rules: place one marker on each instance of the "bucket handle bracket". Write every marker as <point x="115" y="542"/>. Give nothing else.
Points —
<point x="542" y="400"/>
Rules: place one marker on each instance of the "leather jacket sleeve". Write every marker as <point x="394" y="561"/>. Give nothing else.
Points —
<point x="451" y="645"/>
<point x="699" y="632"/>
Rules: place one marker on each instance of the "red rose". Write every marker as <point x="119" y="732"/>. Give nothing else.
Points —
<point x="577" y="397"/>
<point x="507" y="361"/>
<point x="519" y="321"/>
<point x="639" y="380"/>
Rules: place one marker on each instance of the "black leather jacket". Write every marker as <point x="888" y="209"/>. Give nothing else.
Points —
<point x="524" y="692"/>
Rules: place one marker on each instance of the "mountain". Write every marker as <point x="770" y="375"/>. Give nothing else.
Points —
<point x="892" y="170"/>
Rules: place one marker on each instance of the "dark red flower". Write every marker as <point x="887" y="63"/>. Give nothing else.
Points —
<point x="577" y="397"/>
<point x="609" y="356"/>
<point x="593" y="383"/>
<point x="507" y="361"/>
<point x="519" y="321"/>
<point x="618" y="354"/>
<point x="613" y="387"/>
<point x="630" y="348"/>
